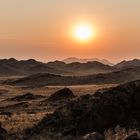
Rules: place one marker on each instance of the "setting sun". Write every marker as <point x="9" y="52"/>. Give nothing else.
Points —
<point x="83" y="32"/>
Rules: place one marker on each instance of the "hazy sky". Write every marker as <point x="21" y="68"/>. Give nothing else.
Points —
<point x="40" y="29"/>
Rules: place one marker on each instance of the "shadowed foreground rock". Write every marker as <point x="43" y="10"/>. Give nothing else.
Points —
<point x="3" y="133"/>
<point x="97" y="113"/>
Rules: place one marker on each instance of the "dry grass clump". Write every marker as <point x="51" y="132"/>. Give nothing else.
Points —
<point x="119" y="133"/>
<point x="16" y="123"/>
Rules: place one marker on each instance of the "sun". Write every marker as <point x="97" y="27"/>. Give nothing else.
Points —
<point x="83" y="32"/>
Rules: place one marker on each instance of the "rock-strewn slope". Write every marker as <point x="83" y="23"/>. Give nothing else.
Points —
<point x="119" y="105"/>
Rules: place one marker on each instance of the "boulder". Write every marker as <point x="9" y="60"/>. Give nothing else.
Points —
<point x="62" y="94"/>
<point x="93" y="136"/>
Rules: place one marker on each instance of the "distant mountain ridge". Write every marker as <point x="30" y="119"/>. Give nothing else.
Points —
<point x="77" y="68"/>
<point x="13" y="67"/>
<point x="10" y="67"/>
<point x="74" y="59"/>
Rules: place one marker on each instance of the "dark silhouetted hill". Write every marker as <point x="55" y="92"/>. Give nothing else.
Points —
<point x="10" y="67"/>
<point x="131" y="63"/>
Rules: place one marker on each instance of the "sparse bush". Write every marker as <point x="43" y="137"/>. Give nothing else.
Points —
<point x="119" y="133"/>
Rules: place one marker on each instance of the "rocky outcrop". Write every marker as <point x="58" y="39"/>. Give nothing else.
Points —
<point x="118" y="105"/>
<point x="65" y="93"/>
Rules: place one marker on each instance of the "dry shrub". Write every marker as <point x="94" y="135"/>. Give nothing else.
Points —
<point x="119" y="133"/>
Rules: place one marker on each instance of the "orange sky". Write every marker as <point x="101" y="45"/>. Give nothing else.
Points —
<point x="40" y="29"/>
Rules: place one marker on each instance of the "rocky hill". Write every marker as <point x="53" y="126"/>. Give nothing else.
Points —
<point x="128" y="64"/>
<point x="93" y="113"/>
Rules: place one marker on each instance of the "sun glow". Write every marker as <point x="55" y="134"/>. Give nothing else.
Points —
<point x="83" y="32"/>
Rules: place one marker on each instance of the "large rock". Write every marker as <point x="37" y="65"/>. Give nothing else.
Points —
<point x="117" y="106"/>
<point x="64" y="93"/>
<point x="93" y="136"/>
